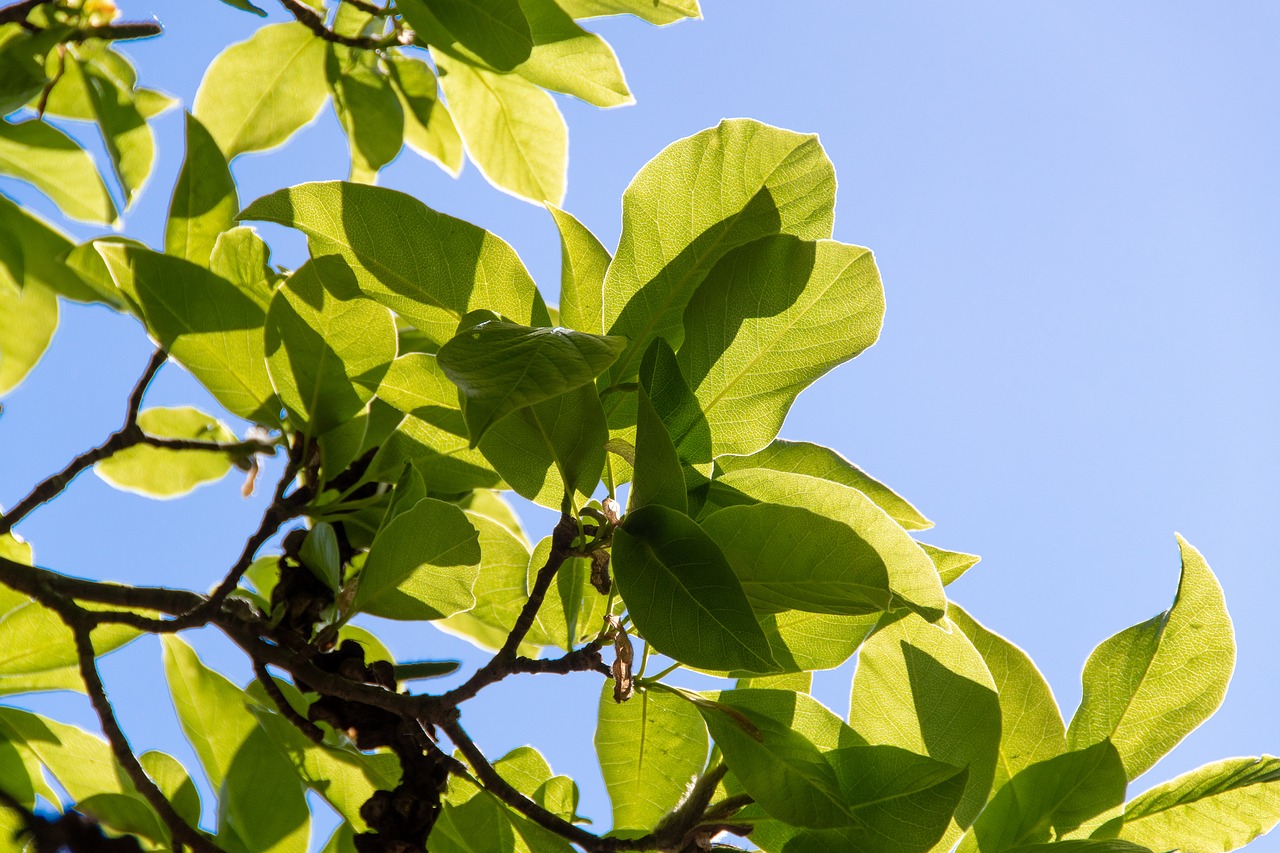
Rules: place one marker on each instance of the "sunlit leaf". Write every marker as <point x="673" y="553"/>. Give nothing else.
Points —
<point x="45" y="157"/>
<point x="204" y="200"/>
<point x="160" y="473"/>
<point x="368" y="109"/>
<point x="428" y="127"/>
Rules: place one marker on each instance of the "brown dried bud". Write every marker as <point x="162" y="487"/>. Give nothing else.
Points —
<point x="600" y="572"/>
<point x="612" y="511"/>
<point x="623" y="684"/>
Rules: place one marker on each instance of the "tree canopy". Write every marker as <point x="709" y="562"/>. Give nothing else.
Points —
<point x="410" y="373"/>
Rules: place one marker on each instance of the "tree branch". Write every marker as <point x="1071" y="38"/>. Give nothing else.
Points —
<point x="313" y="21"/>
<point x="126" y="436"/>
<point x="17" y="12"/>
<point x="81" y="624"/>
<point x="273" y="690"/>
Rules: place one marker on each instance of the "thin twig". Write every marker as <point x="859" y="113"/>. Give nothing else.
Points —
<point x="118" y="32"/>
<point x="81" y="624"/>
<point x="287" y="711"/>
<point x="312" y="20"/>
<point x="499" y="787"/>
<point x="126" y="436"/>
<point x="17" y="12"/>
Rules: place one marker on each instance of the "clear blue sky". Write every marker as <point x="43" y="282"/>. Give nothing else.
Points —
<point x="1074" y="207"/>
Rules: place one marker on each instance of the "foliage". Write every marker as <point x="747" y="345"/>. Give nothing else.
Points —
<point x="408" y="382"/>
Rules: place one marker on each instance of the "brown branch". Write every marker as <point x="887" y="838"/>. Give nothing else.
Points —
<point x="81" y="624"/>
<point x="502" y="664"/>
<point x="235" y="448"/>
<point x="40" y="583"/>
<point x="312" y="20"/>
<point x="17" y="12"/>
<point x="500" y="788"/>
<point x="126" y="436"/>
<point x="118" y="32"/>
<point x="287" y="711"/>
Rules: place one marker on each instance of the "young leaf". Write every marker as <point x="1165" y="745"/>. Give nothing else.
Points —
<point x="657" y="478"/>
<point x="259" y="92"/>
<point x="566" y="58"/>
<point x="770" y="318"/>
<point x="368" y="109"/>
<point x="1060" y="794"/>
<point x="326" y="353"/>
<point x="1220" y="806"/>
<point x="654" y="11"/>
<point x="874" y="537"/>
<point x="500" y="367"/>
<point x="1031" y="727"/>
<point x="926" y="689"/>
<point x="513" y="130"/>
<point x="583" y="261"/>
<point x="204" y="200"/>
<point x="319" y="553"/>
<point x="429" y="268"/>
<point x="951" y="565"/>
<point x="1151" y="685"/>
<point x="682" y="595"/>
<point x="650" y="748"/>
<point x="721" y="188"/>
<point x="28" y="319"/>
<point x="801" y="457"/>
<point x="159" y="473"/>
<point x="422" y="565"/>
<point x="428" y="127"/>
<point x="45" y="157"/>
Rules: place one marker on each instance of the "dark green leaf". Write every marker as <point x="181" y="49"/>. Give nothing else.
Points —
<point x="501" y="366"/>
<point x="657" y="478"/>
<point x="682" y="595"/>
<point x="319" y="553"/>
<point x="675" y="403"/>
<point x="495" y="31"/>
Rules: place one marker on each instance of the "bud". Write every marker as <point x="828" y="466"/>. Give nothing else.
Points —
<point x="612" y="511"/>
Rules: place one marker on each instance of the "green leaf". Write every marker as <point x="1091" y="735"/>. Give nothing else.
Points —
<point x="682" y="595"/>
<point x="873" y="537"/>
<point x="802" y="641"/>
<point x="657" y="477"/>
<point x="29" y="252"/>
<point x="513" y="130"/>
<point x="23" y="56"/>
<point x="583" y="262"/>
<point x="415" y="384"/>
<point x="653" y="11"/>
<point x="1218" y="807"/>
<point x="326" y="353"/>
<point x="650" y="748"/>
<point x="799" y="682"/>
<point x="423" y="669"/>
<point x="925" y="688"/>
<point x="789" y="558"/>
<point x="675" y="403"/>
<point x="438" y="445"/>
<point x="500" y="367"/>
<point x="429" y="268"/>
<point x="481" y="824"/>
<point x="566" y="58"/>
<point x="204" y="321"/>
<point x="801" y="457"/>
<point x="1058" y="794"/>
<point x="259" y="92"/>
<point x="106" y="80"/>
<point x="721" y="188"/>
<point x="155" y="472"/>
<point x="543" y="447"/>
<point x="951" y="564"/>
<point x="770" y="318"/>
<point x="500" y="588"/>
<point x="492" y="505"/>
<point x="243" y="258"/>
<point x="319" y="553"/>
<point x="28" y="319"/>
<point x="91" y="282"/>
<point x="779" y="767"/>
<point x="261" y="798"/>
<point x="493" y="31"/>
<point x="1151" y="685"/>
<point x="45" y="157"/>
<point x="35" y="641"/>
<point x="573" y="612"/>
<point x="1082" y="845"/>
<point x="428" y="127"/>
<point x="1031" y="727"/>
<point x="174" y="782"/>
<point x="246" y="6"/>
<point x="204" y="200"/>
<point x="368" y="109"/>
<point x="422" y="565"/>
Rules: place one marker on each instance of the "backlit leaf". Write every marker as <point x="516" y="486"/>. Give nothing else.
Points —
<point x="367" y="108"/>
<point x="159" y="473"/>
<point x="204" y="200"/>
<point x="38" y="153"/>
<point x="428" y="127"/>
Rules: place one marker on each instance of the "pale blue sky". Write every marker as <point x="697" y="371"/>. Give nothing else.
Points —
<point x="1074" y="207"/>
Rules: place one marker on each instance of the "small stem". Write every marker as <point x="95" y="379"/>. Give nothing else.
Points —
<point x="644" y="661"/>
<point x="312" y="20"/>
<point x="287" y="711"/>
<point x="662" y="674"/>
